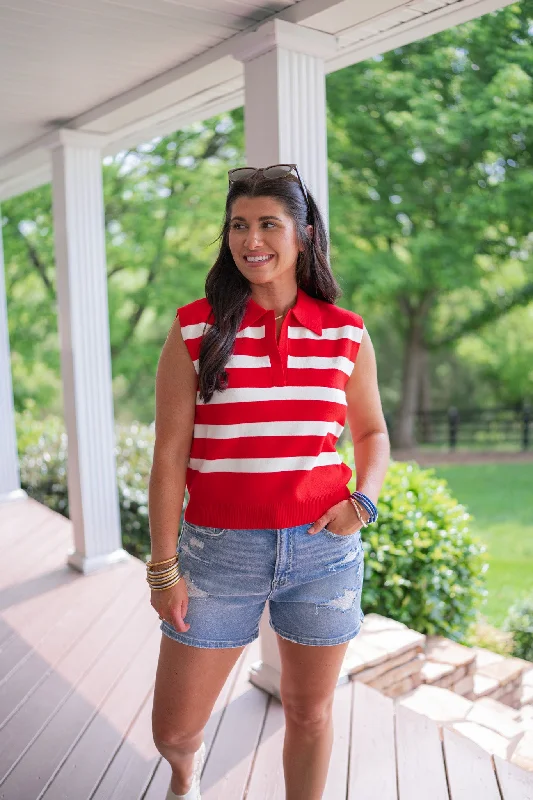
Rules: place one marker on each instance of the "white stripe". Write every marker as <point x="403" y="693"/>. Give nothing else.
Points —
<point x="194" y="331"/>
<point x="251" y="332"/>
<point x="288" y="464"/>
<point x="241" y="361"/>
<point x="256" y="429"/>
<point x="199" y="328"/>
<point x="265" y="393"/>
<point x="321" y="362"/>
<point x="339" y="332"/>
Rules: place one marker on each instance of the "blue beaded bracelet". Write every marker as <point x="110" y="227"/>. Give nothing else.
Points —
<point x="367" y="504"/>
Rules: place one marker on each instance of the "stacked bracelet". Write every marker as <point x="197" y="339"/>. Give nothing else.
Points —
<point x="164" y="578"/>
<point x="358" y="512"/>
<point x="367" y="504"/>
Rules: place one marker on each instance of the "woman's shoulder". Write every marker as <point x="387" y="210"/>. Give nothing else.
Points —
<point x="194" y="312"/>
<point x="334" y="315"/>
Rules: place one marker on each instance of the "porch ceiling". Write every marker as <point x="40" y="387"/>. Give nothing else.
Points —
<point x="127" y="70"/>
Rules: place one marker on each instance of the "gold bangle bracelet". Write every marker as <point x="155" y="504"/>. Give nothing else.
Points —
<point x="166" y="582"/>
<point x="158" y="563"/>
<point x="160" y="572"/>
<point x="162" y="588"/>
<point x="159" y="579"/>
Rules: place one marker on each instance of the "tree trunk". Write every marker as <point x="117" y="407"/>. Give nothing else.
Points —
<point x="425" y="397"/>
<point x="403" y="434"/>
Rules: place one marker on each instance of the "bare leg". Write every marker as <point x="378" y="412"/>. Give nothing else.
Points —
<point x="306" y="755"/>
<point x="188" y="682"/>
<point x="308" y="680"/>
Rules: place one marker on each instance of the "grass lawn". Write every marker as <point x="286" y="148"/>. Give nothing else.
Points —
<point x="500" y="498"/>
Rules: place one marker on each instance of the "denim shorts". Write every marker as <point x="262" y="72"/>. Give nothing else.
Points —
<point x="313" y="583"/>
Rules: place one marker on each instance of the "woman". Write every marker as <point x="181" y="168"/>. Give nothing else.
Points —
<point x="253" y="388"/>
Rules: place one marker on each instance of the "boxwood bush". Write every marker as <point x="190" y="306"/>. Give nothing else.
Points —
<point x="423" y="565"/>
<point x="43" y="472"/>
<point x="519" y="622"/>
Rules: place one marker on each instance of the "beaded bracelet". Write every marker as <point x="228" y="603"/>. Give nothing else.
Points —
<point x="367" y="504"/>
<point x="361" y="520"/>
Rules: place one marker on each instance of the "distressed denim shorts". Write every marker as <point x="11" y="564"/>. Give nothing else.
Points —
<point x="313" y="583"/>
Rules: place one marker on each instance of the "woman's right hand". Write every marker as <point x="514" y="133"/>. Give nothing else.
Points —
<point x="171" y="604"/>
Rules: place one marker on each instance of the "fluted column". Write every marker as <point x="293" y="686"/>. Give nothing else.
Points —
<point x="285" y="100"/>
<point x="85" y="352"/>
<point x="285" y="122"/>
<point x="9" y="466"/>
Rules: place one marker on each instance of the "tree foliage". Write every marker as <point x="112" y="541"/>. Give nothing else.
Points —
<point x="431" y="143"/>
<point x="430" y="185"/>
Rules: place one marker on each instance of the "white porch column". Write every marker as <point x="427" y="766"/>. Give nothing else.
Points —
<point x="285" y="100"/>
<point x="9" y="465"/>
<point x="85" y="351"/>
<point x="285" y="121"/>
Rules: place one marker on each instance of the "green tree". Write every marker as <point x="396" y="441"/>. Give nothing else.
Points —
<point x="163" y="202"/>
<point x="430" y="186"/>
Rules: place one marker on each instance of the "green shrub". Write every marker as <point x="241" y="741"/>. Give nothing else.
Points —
<point x="43" y="460"/>
<point x="519" y="622"/>
<point x="423" y="565"/>
<point x="43" y="472"/>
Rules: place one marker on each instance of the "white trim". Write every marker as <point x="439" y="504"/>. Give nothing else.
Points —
<point x="11" y="497"/>
<point x="9" y="465"/>
<point x="420" y="28"/>
<point x="286" y="35"/>
<point x="88" y="565"/>
<point x="306" y="9"/>
<point x="138" y="111"/>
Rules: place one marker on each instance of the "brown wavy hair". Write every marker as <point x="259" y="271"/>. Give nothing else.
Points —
<point x="228" y="291"/>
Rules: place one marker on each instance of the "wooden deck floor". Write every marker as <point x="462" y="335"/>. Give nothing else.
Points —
<point x="77" y="663"/>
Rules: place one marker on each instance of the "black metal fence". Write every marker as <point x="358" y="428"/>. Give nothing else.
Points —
<point x="487" y="428"/>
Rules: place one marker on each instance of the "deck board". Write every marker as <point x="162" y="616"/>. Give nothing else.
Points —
<point x="373" y="751"/>
<point x="421" y="772"/>
<point x="232" y="752"/>
<point x="469" y="767"/>
<point x="78" y="657"/>
<point x="515" y="783"/>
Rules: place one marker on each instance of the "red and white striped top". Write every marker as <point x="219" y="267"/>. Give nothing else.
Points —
<point x="263" y="450"/>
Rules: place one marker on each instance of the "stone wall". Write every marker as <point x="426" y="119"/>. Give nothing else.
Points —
<point x="482" y="695"/>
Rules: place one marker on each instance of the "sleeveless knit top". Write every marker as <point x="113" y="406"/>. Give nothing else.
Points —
<point x="263" y="450"/>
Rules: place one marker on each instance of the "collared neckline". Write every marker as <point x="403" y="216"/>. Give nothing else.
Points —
<point x="306" y="310"/>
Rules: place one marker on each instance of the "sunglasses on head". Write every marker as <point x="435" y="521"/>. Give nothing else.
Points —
<point x="274" y="171"/>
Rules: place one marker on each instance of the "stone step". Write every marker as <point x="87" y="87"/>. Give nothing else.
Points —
<point x="489" y="740"/>
<point x="379" y="642"/>
<point x="485" y="657"/>
<point x="397" y="674"/>
<point x="526" y="695"/>
<point x="444" y="651"/>
<point x="522" y="754"/>
<point x="496" y="716"/>
<point x="505" y="671"/>
<point x="527" y="675"/>
<point x="368" y="674"/>
<point x="483" y="687"/>
<point x="464" y="686"/>
<point x="438" y="704"/>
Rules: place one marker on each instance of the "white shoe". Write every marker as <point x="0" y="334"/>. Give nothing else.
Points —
<point x="194" y="791"/>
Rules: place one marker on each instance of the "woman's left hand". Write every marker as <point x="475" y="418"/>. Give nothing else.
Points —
<point x="343" y="517"/>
